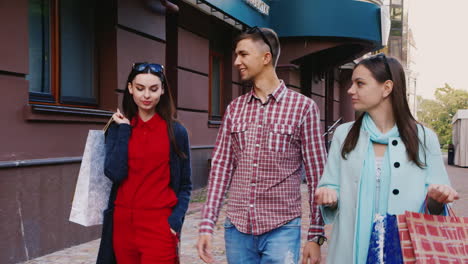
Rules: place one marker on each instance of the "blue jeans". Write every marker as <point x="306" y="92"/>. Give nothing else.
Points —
<point x="279" y="246"/>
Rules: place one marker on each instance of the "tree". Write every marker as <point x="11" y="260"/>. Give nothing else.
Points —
<point x="437" y="114"/>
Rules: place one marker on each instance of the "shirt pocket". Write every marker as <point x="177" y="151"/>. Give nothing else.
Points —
<point x="239" y="134"/>
<point x="280" y="137"/>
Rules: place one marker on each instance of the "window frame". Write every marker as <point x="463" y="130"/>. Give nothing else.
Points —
<point x="220" y="57"/>
<point x="54" y="97"/>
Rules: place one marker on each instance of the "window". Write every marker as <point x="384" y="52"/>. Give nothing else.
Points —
<point x="396" y="30"/>
<point x="396" y="13"/>
<point x="396" y="47"/>
<point x="39" y="49"/>
<point x="62" y="52"/>
<point x="216" y="108"/>
<point x="396" y="16"/>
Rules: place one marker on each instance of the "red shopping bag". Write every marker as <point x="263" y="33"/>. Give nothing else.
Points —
<point x="407" y="250"/>
<point x="435" y="239"/>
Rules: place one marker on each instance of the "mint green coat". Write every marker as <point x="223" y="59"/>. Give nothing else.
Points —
<point x="408" y="184"/>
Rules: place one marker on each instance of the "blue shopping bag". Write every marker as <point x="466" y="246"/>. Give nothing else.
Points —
<point x="384" y="246"/>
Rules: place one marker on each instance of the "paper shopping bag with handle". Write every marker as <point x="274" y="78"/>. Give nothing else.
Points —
<point x="438" y="239"/>
<point x="92" y="187"/>
<point x="407" y="250"/>
<point x="434" y="238"/>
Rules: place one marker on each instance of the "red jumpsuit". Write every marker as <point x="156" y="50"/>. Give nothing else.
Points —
<point x="141" y="232"/>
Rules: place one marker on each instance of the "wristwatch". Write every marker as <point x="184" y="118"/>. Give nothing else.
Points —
<point x="319" y="240"/>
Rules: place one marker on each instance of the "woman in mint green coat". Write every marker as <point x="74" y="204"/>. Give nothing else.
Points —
<point x="385" y="162"/>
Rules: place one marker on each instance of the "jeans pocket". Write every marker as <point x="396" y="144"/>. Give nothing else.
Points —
<point x="296" y="222"/>
<point x="228" y="224"/>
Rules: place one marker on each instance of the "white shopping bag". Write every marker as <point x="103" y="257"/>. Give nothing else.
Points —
<point x="92" y="187"/>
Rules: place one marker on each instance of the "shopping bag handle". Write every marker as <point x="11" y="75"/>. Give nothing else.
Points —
<point x="448" y="211"/>
<point x="108" y="124"/>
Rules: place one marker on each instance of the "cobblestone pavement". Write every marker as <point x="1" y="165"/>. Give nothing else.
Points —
<point x="86" y="253"/>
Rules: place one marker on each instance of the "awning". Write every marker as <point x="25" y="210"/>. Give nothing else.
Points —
<point x="305" y="18"/>
<point x="327" y="18"/>
<point x="248" y="12"/>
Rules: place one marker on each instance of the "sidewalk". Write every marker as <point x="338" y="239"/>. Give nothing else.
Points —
<point x="86" y="253"/>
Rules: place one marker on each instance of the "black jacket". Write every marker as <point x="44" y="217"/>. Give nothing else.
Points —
<point x="116" y="169"/>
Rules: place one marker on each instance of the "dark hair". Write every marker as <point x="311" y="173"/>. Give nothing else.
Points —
<point x="165" y="107"/>
<point x="258" y="35"/>
<point x="382" y="69"/>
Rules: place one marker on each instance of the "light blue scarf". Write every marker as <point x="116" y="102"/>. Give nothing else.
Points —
<point x="367" y="188"/>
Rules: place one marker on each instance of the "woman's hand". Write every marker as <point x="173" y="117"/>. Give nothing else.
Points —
<point x="442" y="194"/>
<point x="326" y="197"/>
<point x="119" y="118"/>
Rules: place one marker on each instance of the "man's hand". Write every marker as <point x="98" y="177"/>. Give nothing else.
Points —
<point x="311" y="253"/>
<point x="204" y="248"/>
<point x="326" y="197"/>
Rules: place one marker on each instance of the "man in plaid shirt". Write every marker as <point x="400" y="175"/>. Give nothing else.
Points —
<point x="266" y="136"/>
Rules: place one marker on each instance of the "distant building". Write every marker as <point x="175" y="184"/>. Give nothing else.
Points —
<point x="401" y="45"/>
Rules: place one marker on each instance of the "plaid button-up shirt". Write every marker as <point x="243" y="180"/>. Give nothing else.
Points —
<point x="259" y="151"/>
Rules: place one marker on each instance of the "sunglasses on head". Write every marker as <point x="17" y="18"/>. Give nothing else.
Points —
<point x="153" y="67"/>
<point x="257" y="29"/>
<point x="143" y="66"/>
<point x="387" y="66"/>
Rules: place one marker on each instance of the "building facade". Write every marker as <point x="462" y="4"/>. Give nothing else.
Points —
<point x="64" y="66"/>
<point x="402" y="46"/>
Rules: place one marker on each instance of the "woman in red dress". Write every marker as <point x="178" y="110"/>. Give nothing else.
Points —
<point x="148" y="160"/>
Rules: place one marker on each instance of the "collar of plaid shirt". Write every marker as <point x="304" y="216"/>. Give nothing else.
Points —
<point x="276" y="95"/>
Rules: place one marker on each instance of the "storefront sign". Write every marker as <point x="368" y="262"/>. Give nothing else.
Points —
<point x="260" y="6"/>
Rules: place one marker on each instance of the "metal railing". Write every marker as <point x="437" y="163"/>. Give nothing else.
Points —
<point x="329" y="133"/>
